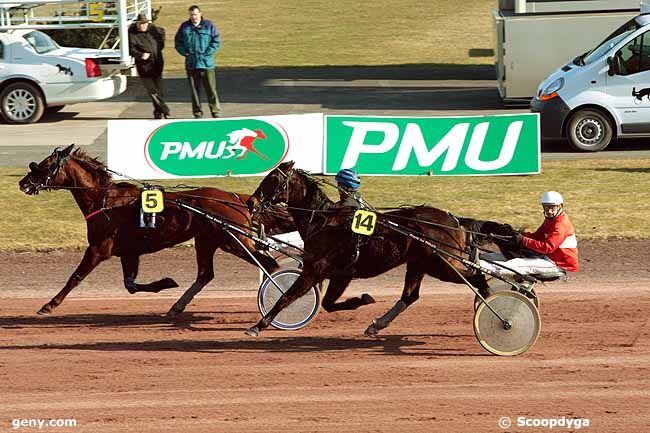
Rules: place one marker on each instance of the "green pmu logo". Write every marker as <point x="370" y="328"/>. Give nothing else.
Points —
<point x="217" y="147"/>
<point x="475" y="145"/>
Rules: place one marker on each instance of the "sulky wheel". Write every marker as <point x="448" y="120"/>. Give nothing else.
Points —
<point x="297" y="315"/>
<point x="521" y="315"/>
<point x="500" y="286"/>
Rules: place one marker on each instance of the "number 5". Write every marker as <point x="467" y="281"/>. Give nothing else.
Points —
<point x="152" y="201"/>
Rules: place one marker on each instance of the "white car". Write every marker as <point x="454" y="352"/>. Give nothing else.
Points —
<point x="37" y="75"/>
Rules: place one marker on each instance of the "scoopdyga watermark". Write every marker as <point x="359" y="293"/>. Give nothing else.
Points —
<point x="563" y="423"/>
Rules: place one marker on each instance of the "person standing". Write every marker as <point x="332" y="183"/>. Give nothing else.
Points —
<point x="198" y="39"/>
<point x="146" y="42"/>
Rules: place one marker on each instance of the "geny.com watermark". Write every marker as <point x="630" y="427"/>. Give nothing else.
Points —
<point x="549" y="423"/>
<point x="41" y="423"/>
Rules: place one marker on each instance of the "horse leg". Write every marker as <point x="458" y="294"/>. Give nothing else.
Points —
<point x="205" y="260"/>
<point x="480" y="283"/>
<point x="334" y="291"/>
<point x="130" y="266"/>
<point x="301" y="286"/>
<point x="92" y="257"/>
<point x="265" y="260"/>
<point x="410" y="294"/>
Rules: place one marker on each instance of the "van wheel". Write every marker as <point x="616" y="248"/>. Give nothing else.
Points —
<point x="21" y="103"/>
<point x="589" y="131"/>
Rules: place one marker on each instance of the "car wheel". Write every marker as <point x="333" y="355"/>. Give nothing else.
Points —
<point x="54" y="109"/>
<point x="21" y="103"/>
<point x="589" y="131"/>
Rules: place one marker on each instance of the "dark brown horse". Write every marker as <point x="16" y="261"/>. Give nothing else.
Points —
<point x="330" y="245"/>
<point x="112" y="217"/>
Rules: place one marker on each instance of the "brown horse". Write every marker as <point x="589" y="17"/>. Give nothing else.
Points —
<point x="331" y="247"/>
<point x="112" y="212"/>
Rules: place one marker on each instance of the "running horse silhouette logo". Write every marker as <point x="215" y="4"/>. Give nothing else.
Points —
<point x="66" y="70"/>
<point x="641" y="93"/>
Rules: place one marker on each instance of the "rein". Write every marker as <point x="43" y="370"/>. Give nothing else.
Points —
<point x="376" y="210"/>
<point x="92" y="214"/>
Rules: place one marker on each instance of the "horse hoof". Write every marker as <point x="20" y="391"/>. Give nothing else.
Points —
<point x="168" y="283"/>
<point x="367" y="299"/>
<point x="253" y="332"/>
<point x="372" y="331"/>
<point x="45" y="310"/>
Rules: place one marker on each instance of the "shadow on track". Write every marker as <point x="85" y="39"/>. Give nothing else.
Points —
<point x="411" y="345"/>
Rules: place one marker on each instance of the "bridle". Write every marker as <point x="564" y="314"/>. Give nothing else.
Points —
<point x="283" y="187"/>
<point x="52" y="171"/>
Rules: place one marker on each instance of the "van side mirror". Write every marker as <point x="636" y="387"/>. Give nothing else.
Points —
<point x="614" y="66"/>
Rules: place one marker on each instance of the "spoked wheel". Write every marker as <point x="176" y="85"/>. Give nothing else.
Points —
<point x="502" y="286"/>
<point x="523" y="321"/>
<point x="297" y="315"/>
<point x="22" y="103"/>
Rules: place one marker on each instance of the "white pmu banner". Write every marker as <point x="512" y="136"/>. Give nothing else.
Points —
<point x="172" y="149"/>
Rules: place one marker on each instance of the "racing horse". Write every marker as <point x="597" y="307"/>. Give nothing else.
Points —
<point x="112" y="213"/>
<point x="330" y="246"/>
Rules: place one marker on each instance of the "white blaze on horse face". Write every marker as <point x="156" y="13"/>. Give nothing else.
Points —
<point x="507" y="149"/>
<point x="357" y="144"/>
<point x="413" y="141"/>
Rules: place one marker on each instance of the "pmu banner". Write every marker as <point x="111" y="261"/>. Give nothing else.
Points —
<point x="171" y="149"/>
<point x="461" y="146"/>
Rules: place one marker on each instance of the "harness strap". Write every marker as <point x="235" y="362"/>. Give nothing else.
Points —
<point x="92" y="214"/>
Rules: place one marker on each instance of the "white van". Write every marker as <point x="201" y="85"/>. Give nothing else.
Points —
<point x="602" y="94"/>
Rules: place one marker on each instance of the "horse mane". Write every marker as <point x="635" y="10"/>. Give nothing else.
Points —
<point x="313" y="188"/>
<point x="94" y="166"/>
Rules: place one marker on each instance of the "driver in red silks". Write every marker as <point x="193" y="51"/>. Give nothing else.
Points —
<point x="555" y="241"/>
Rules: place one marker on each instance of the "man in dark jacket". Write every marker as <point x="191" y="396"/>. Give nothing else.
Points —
<point x="146" y="43"/>
<point x="198" y="39"/>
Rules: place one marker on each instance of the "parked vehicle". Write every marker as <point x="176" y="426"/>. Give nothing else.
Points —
<point x="37" y="75"/>
<point x="602" y="94"/>
<point x="534" y="37"/>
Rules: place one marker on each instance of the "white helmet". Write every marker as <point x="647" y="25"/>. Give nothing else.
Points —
<point x="552" y="197"/>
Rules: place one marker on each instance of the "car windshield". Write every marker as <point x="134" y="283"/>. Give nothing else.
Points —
<point x="609" y="43"/>
<point x="41" y="42"/>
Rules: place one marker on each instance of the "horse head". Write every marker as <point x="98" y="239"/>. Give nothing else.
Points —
<point x="273" y="189"/>
<point x="47" y="173"/>
<point x="485" y="232"/>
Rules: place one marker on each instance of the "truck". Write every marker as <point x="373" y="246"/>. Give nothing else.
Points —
<point x="534" y="37"/>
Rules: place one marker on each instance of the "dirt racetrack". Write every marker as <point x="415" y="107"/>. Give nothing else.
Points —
<point x="114" y="364"/>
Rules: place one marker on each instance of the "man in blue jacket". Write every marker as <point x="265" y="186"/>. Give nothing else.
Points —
<point x="198" y="39"/>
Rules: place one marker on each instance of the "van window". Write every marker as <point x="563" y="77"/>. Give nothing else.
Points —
<point x="613" y="39"/>
<point x="2" y="50"/>
<point x="635" y="56"/>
